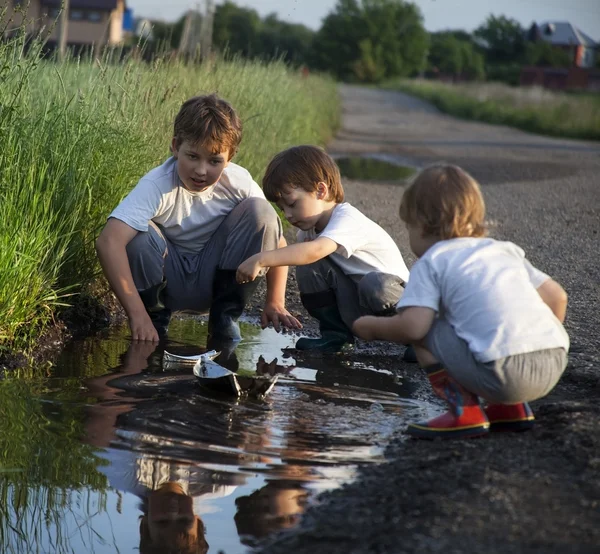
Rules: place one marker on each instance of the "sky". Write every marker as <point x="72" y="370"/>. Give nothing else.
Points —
<point x="438" y="14"/>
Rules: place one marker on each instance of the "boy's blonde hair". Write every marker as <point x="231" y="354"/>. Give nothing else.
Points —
<point x="210" y="121"/>
<point x="446" y="201"/>
<point x="303" y="167"/>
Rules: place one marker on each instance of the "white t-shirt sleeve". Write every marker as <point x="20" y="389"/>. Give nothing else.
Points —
<point x="345" y="231"/>
<point x="140" y="205"/>
<point x="537" y="277"/>
<point x="423" y="289"/>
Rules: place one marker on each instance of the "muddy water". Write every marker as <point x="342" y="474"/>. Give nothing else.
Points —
<point x="375" y="167"/>
<point x="109" y="452"/>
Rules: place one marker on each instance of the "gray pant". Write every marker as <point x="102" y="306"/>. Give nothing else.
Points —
<point x="251" y="227"/>
<point x="509" y="380"/>
<point x="372" y="294"/>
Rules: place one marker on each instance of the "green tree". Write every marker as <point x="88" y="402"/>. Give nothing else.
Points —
<point x="503" y="40"/>
<point x="543" y="54"/>
<point x="453" y="54"/>
<point x="371" y="40"/>
<point x="236" y="30"/>
<point x="290" y="41"/>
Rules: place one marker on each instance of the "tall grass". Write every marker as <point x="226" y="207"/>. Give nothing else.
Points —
<point x="529" y="108"/>
<point x="76" y="136"/>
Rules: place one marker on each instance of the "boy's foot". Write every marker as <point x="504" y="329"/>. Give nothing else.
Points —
<point x="329" y="342"/>
<point x="471" y="423"/>
<point x="514" y="417"/>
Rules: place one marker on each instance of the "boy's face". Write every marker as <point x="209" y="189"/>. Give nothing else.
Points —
<point x="303" y="209"/>
<point x="199" y="168"/>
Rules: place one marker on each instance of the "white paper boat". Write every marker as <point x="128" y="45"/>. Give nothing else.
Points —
<point x="214" y="376"/>
<point x="174" y="359"/>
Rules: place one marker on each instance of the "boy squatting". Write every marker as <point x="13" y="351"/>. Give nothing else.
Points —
<point x="175" y="241"/>
<point x="346" y="264"/>
<point x="483" y="321"/>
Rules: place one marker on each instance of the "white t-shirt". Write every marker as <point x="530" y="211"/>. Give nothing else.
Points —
<point x="188" y="219"/>
<point x="363" y="246"/>
<point x="486" y="290"/>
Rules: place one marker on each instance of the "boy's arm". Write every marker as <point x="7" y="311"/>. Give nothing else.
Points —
<point x="302" y="253"/>
<point x="555" y="297"/>
<point x="275" y="311"/>
<point x="111" y="248"/>
<point x="411" y="325"/>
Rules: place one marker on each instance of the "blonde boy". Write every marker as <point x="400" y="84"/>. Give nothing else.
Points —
<point x="484" y="322"/>
<point x="175" y="241"/>
<point x="347" y="265"/>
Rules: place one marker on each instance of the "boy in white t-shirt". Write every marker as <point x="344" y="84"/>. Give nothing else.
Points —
<point x="175" y="241"/>
<point x="346" y="264"/>
<point x="484" y="322"/>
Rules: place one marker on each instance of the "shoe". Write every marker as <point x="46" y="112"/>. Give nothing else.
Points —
<point x="153" y="299"/>
<point x="465" y="418"/>
<point x="510" y="417"/>
<point x="228" y="302"/>
<point x="334" y="332"/>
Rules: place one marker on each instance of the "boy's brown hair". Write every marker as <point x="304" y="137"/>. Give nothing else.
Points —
<point x="446" y="201"/>
<point x="303" y="167"/>
<point x="210" y="121"/>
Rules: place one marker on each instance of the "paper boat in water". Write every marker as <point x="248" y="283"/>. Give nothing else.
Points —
<point x="218" y="378"/>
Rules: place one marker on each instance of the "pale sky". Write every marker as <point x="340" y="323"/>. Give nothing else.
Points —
<point x="438" y="14"/>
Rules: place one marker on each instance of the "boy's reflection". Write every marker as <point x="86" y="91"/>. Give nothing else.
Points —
<point x="276" y="506"/>
<point x="140" y="448"/>
<point x="169" y="524"/>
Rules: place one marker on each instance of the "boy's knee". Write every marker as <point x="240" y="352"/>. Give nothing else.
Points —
<point x="380" y="292"/>
<point x="262" y="212"/>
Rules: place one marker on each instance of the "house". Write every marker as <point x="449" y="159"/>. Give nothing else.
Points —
<point x="91" y="22"/>
<point x="567" y="37"/>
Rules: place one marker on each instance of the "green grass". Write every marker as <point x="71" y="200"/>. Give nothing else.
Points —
<point x="75" y="137"/>
<point x="532" y="109"/>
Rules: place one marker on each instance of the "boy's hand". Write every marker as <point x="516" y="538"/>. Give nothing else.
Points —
<point x="364" y="327"/>
<point x="248" y="270"/>
<point x="275" y="313"/>
<point x="142" y="328"/>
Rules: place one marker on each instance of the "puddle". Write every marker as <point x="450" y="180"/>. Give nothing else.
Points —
<point x="379" y="167"/>
<point x="110" y="453"/>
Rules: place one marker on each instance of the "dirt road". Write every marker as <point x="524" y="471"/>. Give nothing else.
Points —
<point x="535" y="492"/>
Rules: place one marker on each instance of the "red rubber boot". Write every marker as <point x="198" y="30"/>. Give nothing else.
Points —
<point x="514" y="417"/>
<point x="465" y="418"/>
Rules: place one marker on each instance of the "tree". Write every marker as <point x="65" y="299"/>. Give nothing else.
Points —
<point x="503" y="40"/>
<point x="236" y="30"/>
<point x="452" y="54"/>
<point x="372" y="39"/>
<point x="290" y="41"/>
<point x="543" y="54"/>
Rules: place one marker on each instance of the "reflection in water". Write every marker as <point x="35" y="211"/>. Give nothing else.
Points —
<point x="169" y="523"/>
<point x="130" y="438"/>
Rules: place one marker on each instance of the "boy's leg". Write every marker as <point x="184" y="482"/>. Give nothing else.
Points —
<point x="331" y="297"/>
<point x="251" y="227"/>
<point x="378" y="294"/>
<point x="154" y="264"/>
<point x="452" y="372"/>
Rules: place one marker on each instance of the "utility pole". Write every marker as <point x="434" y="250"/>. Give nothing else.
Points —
<point x="207" y="30"/>
<point x="185" y="35"/>
<point x="63" y="30"/>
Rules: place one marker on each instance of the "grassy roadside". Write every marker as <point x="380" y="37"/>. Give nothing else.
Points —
<point x="531" y="109"/>
<point x="75" y="137"/>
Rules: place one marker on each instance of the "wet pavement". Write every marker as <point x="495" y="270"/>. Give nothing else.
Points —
<point x="111" y="452"/>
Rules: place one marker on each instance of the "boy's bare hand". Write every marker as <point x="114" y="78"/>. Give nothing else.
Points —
<point x="142" y="328"/>
<point x="364" y="327"/>
<point x="276" y="314"/>
<point x="248" y="270"/>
